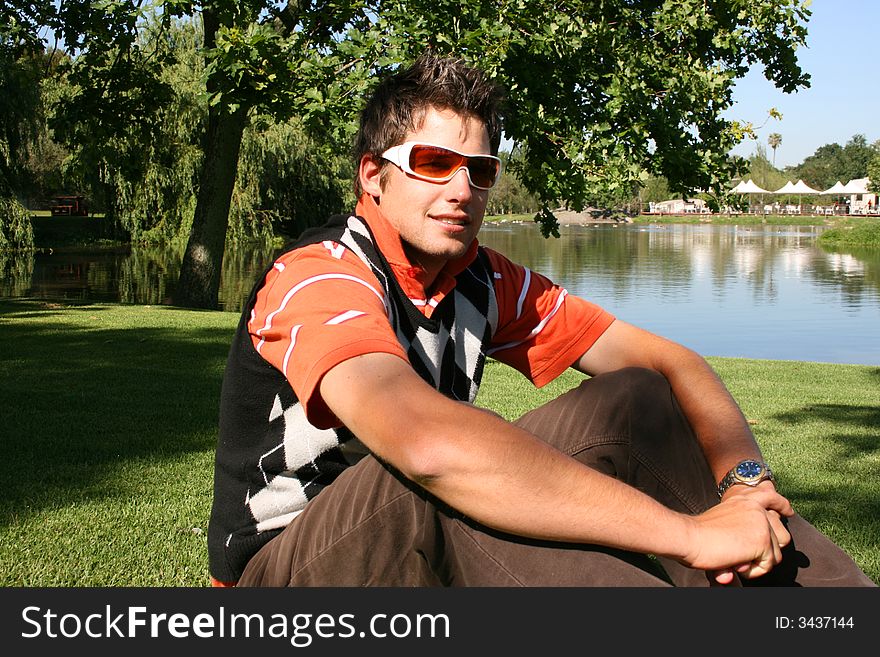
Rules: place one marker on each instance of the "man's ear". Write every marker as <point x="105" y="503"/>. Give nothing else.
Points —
<point x="370" y="173"/>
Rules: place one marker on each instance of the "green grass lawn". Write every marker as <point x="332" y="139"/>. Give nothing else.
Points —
<point x="110" y="418"/>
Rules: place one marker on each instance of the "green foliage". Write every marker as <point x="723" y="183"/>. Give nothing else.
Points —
<point x="655" y="188"/>
<point x="509" y="196"/>
<point x="287" y="180"/>
<point x="48" y="167"/>
<point x="16" y="231"/>
<point x="16" y="272"/>
<point x="20" y="23"/>
<point x="774" y="141"/>
<point x="20" y="68"/>
<point x="149" y="183"/>
<point x="833" y="162"/>
<point x="874" y="170"/>
<point x="598" y="94"/>
<point x="601" y="94"/>
<point x="764" y="173"/>
<point x="136" y="149"/>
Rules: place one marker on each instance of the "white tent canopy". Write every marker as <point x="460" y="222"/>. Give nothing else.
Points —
<point x="837" y="188"/>
<point x="788" y="188"/>
<point x="856" y="186"/>
<point x="800" y="187"/>
<point x="748" y="187"/>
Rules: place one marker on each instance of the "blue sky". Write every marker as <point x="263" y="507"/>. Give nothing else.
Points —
<point x="844" y="98"/>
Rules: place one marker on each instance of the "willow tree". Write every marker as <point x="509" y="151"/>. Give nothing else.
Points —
<point x="601" y="93"/>
<point x="21" y="65"/>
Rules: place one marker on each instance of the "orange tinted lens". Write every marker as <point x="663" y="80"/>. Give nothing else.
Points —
<point x="434" y="162"/>
<point x="483" y="171"/>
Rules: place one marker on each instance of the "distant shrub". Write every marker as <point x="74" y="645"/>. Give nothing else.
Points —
<point x="853" y="233"/>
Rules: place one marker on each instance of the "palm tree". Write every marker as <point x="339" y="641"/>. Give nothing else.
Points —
<point x="774" y="140"/>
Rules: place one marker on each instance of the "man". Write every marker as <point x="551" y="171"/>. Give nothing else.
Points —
<point x="350" y="452"/>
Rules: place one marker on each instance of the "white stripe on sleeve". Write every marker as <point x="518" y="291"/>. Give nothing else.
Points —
<point x="344" y="317"/>
<point x="293" y="333"/>
<point x="523" y="292"/>
<point x="535" y="331"/>
<point x="304" y="284"/>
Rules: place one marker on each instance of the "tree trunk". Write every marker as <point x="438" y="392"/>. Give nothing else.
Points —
<point x="199" y="281"/>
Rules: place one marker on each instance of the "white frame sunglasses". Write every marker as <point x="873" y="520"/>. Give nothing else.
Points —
<point x="401" y="156"/>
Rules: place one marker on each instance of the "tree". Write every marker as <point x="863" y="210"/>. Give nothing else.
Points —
<point x="762" y="171"/>
<point x="774" y="140"/>
<point x="874" y="173"/>
<point x="833" y="162"/>
<point x="20" y="69"/>
<point x="599" y="93"/>
<point x="655" y="189"/>
<point x="20" y="74"/>
<point x="856" y="155"/>
<point x="509" y="196"/>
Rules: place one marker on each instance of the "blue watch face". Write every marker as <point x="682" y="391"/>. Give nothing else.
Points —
<point x="749" y="469"/>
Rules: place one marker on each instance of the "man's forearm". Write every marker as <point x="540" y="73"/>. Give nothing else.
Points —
<point x="717" y="421"/>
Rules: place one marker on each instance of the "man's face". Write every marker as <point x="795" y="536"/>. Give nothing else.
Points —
<point x="437" y="221"/>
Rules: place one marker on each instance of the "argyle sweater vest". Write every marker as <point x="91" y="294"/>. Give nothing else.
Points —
<point x="270" y="460"/>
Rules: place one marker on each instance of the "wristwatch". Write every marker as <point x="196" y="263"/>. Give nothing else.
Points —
<point x="749" y="472"/>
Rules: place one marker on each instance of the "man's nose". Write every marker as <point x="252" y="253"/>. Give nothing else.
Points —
<point x="460" y="185"/>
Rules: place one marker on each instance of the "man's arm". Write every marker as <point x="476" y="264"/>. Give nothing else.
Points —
<point x="717" y="421"/>
<point x="510" y="480"/>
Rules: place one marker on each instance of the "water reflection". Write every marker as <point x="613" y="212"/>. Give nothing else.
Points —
<point x="136" y="275"/>
<point x="754" y="291"/>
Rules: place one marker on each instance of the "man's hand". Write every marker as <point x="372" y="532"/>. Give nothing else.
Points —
<point x="746" y="529"/>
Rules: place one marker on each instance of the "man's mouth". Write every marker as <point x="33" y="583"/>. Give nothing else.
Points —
<point x="452" y="221"/>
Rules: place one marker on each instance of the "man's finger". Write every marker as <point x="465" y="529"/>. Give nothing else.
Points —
<point x="780" y="531"/>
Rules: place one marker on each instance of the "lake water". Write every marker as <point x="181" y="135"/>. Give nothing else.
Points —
<point x="750" y="291"/>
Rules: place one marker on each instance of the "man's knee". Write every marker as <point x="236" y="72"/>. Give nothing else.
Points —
<point x="606" y="408"/>
<point x="638" y="379"/>
<point x="636" y="402"/>
<point x="628" y="388"/>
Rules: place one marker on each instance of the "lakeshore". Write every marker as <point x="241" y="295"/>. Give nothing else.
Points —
<point x="586" y="218"/>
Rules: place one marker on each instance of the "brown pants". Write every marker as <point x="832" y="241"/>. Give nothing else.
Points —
<point x="372" y="527"/>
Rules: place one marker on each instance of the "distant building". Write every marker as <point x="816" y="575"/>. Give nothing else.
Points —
<point x="679" y="206"/>
<point x="861" y="201"/>
<point x="71" y="206"/>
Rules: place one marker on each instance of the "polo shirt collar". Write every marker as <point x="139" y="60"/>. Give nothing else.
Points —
<point x="411" y="276"/>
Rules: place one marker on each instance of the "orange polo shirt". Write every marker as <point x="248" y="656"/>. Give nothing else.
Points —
<point x="321" y="305"/>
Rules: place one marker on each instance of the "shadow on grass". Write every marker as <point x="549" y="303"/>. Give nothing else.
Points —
<point x="853" y="501"/>
<point x="86" y="409"/>
<point x="853" y="445"/>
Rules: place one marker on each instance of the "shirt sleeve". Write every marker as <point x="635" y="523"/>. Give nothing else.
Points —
<point x="319" y="306"/>
<point x="542" y="329"/>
